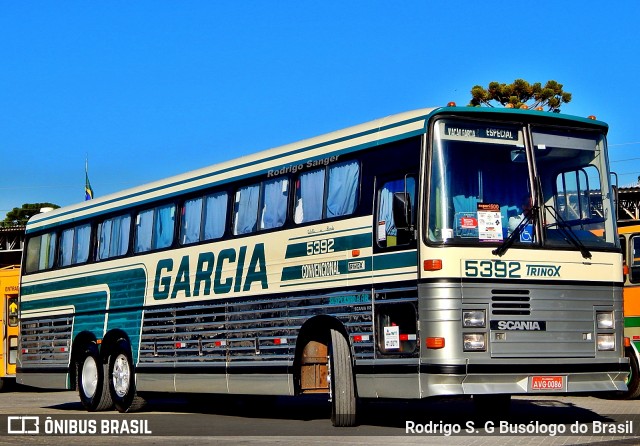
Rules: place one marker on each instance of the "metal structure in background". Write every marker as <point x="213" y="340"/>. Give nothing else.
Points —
<point x="629" y="203"/>
<point x="11" y="245"/>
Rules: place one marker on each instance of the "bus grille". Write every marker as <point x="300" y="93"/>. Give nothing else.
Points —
<point x="45" y="342"/>
<point x="510" y="303"/>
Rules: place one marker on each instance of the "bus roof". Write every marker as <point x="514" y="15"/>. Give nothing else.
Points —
<point x="350" y="139"/>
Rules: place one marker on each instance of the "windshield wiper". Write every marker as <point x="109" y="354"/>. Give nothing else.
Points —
<point x="529" y="217"/>
<point x="568" y="233"/>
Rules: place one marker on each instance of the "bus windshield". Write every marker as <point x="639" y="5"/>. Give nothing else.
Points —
<point x="488" y="182"/>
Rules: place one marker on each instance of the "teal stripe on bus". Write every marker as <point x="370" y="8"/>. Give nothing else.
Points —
<point x="404" y="259"/>
<point x="391" y="261"/>
<point x="325" y="268"/>
<point x="125" y="301"/>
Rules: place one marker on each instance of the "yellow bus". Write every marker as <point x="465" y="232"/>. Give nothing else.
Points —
<point x="629" y="232"/>
<point x="436" y="252"/>
<point x="9" y="290"/>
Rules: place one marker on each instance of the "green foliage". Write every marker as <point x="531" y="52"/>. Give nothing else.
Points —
<point x="521" y="93"/>
<point x="20" y="216"/>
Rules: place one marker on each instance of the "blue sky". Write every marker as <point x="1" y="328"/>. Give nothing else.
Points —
<point x="150" y="89"/>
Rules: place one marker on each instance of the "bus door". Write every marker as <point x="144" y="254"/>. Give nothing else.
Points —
<point x="395" y="283"/>
<point x="9" y="279"/>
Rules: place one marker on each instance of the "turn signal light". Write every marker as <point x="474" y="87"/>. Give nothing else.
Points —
<point x="433" y="265"/>
<point x="435" y="343"/>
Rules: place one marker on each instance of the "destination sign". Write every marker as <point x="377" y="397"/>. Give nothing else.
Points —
<point x="480" y="131"/>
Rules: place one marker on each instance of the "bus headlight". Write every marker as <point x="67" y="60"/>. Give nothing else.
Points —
<point x="605" y="320"/>
<point x="606" y="342"/>
<point x="474" y="318"/>
<point x="474" y="342"/>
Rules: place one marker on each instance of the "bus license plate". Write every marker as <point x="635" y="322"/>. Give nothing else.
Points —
<point x="547" y="382"/>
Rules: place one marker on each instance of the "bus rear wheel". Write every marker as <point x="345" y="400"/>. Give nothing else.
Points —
<point x="122" y="386"/>
<point x="342" y="385"/>
<point x="92" y="386"/>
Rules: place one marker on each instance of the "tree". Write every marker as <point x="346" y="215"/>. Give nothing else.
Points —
<point x="20" y="216"/>
<point x="520" y="93"/>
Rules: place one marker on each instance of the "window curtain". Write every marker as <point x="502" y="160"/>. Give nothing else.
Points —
<point x="343" y="189"/>
<point x="191" y="218"/>
<point x="274" y="203"/>
<point x="49" y="249"/>
<point x="215" y="215"/>
<point x="120" y="236"/>
<point x="310" y="196"/>
<point x="66" y="247"/>
<point x="82" y="236"/>
<point x="163" y="227"/>
<point x="104" y="239"/>
<point x="113" y="237"/>
<point x="144" y="231"/>
<point x="385" y="212"/>
<point x="246" y="217"/>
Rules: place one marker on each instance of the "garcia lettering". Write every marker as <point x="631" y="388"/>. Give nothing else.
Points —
<point x="213" y="274"/>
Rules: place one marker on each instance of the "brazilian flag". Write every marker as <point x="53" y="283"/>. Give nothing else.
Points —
<point x="88" y="191"/>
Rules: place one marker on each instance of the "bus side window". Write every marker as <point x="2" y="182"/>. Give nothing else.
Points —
<point x="154" y="228"/>
<point x="273" y="210"/>
<point x="634" y="259"/>
<point x="41" y="252"/>
<point x="328" y="192"/>
<point x="396" y="212"/>
<point x="309" y="196"/>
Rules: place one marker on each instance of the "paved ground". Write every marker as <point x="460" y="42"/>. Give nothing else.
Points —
<point x="543" y="420"/>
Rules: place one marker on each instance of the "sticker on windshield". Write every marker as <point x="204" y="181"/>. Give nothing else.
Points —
<point x="466" y="224"/>
<point x="489" y="222"/>
<point x="526" y="235"/>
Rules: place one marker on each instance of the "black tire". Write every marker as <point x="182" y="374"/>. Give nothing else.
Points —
<point x="633" y="383"/>
<point x="93" y="388"/>
<point x="343" y="389"/>
<point x="122" y="379"/>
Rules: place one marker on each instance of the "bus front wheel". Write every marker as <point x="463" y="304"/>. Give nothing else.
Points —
<point x="122" y="385"/>
<point x="633" y="382"/>
<point x="92" y="386"/>
<point x="342" y="385"/>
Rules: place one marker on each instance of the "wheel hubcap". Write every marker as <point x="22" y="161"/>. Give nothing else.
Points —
<point x="89" y="377"/>
<point x="121" y="376"/>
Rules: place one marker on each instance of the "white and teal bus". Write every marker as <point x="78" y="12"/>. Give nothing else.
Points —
<point x="446" y="251"/>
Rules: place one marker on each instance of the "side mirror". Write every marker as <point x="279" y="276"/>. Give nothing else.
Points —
<point x="402" y="216"/>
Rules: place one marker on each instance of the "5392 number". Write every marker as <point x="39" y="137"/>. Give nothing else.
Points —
<point x="492" y="268"/>
<point x="320" y="247"/>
